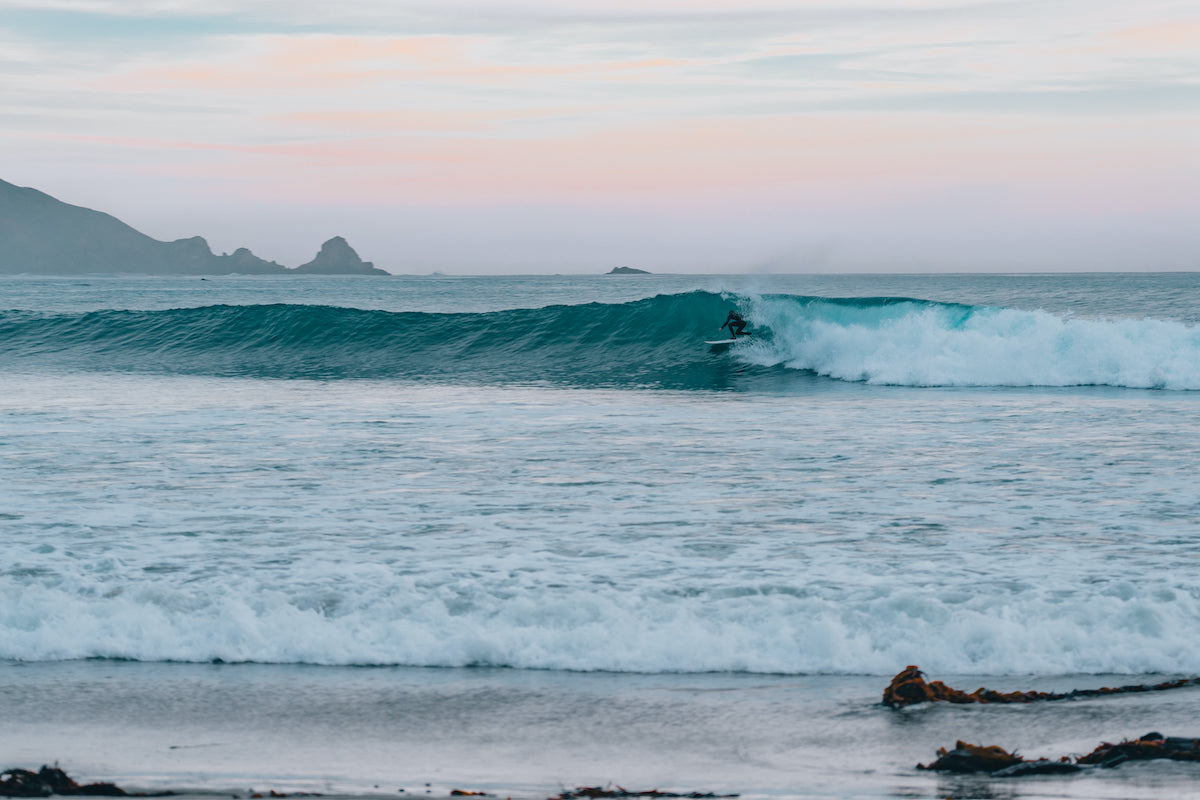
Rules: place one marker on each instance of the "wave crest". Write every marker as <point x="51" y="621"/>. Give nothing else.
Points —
<point x="652" y="343"/>
<point x="905" y="342"/>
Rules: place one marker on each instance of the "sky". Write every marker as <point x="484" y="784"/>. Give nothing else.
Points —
<point x="573" y="136"/>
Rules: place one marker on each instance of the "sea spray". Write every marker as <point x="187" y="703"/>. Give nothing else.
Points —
<point x="367" y="615"/>
<point x="906" y="342"/>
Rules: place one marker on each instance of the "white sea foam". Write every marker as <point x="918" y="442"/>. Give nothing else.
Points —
<point x="827" y="526"/>
<point x="999" y="628"/>
<point x="924" y="344"/>
<point x="833" y="528"/>
<point x="595" y="531"/>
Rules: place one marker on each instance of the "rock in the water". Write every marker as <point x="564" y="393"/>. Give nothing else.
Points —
<point x="973" y="758"/>
<point x="48" y="781"/>
<point x="337" y="257"/>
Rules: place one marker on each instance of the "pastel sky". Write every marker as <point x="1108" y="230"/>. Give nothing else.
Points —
<point x="534" y="136"/>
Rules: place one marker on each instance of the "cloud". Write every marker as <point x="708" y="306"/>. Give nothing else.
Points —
<point x="315" y="63"/>
<point x="758" y="117"/>
<point x="1163" y="39"/>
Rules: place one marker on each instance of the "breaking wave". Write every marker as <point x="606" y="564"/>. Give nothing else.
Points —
<point x="655" y="343"/>
<point x="374" y="618"/>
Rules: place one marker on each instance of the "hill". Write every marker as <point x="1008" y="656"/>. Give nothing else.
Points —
<point x="338" y="258"/>
<point x="43" y="236"/>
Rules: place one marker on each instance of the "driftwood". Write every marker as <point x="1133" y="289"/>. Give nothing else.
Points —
<point x="1002" y="764"/>
<point x="909" y="687"/>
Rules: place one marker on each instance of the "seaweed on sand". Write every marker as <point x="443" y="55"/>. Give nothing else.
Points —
<point x="909" y="687"/>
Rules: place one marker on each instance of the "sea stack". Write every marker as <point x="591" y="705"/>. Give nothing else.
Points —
<point x="337" y="257"/>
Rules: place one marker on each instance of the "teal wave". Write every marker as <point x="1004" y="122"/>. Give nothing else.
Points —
<point x="655" y="342"/>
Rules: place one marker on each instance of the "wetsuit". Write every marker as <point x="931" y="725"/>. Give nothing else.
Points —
<point x="736" y="324"/>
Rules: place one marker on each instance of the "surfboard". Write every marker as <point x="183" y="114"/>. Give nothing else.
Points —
<point x="720" y="343"/>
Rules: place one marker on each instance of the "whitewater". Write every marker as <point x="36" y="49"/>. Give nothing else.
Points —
<point x="543" y="499"/>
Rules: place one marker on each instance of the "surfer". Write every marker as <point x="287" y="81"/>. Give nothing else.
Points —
<point x="736" y="323"/>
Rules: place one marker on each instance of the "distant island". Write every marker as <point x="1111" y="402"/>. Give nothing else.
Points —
<point x="626" y="271"/>
<point x="43" y="236"/>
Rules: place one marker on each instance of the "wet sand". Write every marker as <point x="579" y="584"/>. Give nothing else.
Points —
<point x="224" y="730"/>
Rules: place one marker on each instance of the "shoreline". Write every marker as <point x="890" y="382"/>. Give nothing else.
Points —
<point x="209" y="731"/>
<point x="55" y="782"/>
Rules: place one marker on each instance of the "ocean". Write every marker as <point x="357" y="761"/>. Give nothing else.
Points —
<point x="396" y="536"/>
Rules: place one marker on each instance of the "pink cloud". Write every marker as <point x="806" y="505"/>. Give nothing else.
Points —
<point x="861" y="161"/>
<point x="326" y="62"/>
<point x="1176" y="36"/>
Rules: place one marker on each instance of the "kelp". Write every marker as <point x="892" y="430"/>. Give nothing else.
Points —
<point x="1000" y="763"/>
<point x="909" y="687"/>
<point x="1150" y="746"/>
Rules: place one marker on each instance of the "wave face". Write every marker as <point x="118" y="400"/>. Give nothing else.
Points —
<point x="649" y="342"/>
<point x="655" y="342"/>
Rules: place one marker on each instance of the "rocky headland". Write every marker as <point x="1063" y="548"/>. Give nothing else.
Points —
<point x="41" y="235"/>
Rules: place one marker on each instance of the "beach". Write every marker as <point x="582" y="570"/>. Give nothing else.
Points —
<point x="370" y="732"/>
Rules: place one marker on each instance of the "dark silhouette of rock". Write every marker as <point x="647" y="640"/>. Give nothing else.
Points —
<point x="22" y="783"/>
<point x="44" y="236"/>
<point x="338" y="258"/>
<point x="52" y="780"/>
<point x="973" y="758"/>
<point x="626" y="271"/>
